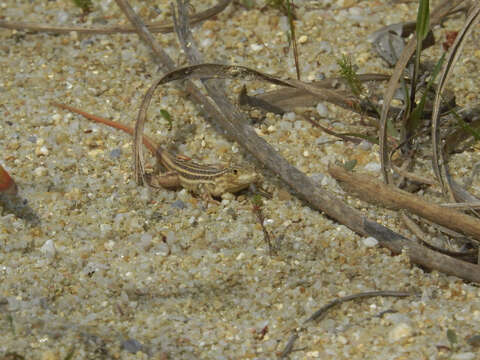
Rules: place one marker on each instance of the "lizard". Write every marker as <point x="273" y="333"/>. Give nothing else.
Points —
<point x="202" y="179"/>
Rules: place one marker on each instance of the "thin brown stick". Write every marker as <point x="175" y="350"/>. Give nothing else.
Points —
<point x="322" y="312"/>
<point x="115" y="29"/>
<point x="469" y="255"/>
<point x="372" y="190"/>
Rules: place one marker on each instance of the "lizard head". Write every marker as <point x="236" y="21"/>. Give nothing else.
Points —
<point x="233" y="180"/>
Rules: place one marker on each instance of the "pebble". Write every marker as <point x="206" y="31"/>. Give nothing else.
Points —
<point x="322" y="110"/>
<point x="115" y="153"/>
<point x="40" y="171"/>
<point x="370" y="242"/>
<point x="373" y="167"/>
<point x="302" y="39"/>
<point x="41" y="151"/>
<point x="400" y="331"/>
<point x="132" y="346"/>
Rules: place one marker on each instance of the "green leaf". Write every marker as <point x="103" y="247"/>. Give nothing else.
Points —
<point x="85" y="5"/>
<point x="423" y="20"/>
<point x="166" y="115"/>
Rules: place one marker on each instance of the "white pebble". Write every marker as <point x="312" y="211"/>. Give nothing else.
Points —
<point x="322" y="110"/>
<point x="302" y="39"/>
<point x="40" y="171"/>
<point x="41" y="151"/>
<point x="240" y="256"/>
<point x="49" y="249"/>
<point x="370" y="242"/>
<point x="373" y="166"/>
<point x="400" y="331"/>
<point x="289" y="116"/>
<point x="109" y="245"/>
<point x="365" y="145"/>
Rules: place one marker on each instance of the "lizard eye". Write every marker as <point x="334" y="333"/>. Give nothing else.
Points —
<point x="235" y="171"/>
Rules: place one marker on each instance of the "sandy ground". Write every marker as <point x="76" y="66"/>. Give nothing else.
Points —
<point x="95" y="267"/>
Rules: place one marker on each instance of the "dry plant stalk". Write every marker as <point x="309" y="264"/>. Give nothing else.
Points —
<point x="374" y="191"/>
<point x="439" y="161"/>
<point x="322" y="312"/>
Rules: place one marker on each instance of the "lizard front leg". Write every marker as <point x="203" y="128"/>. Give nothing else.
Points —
<point x="167" y="180"/>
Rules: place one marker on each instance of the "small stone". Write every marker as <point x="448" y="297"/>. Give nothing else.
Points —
<point x="109" y="245"/>
<point x="400" y="331"/>
<point x="132" y="346"/>
<point x="178" y="204"/>
<point x="95" y="152"/>
<point x="289" y="116"/>
<point x="41" y="151"/>
<point x="40" y="171"/>
<point x="49" y="249"/>
<point x="373" y="166"/>
<point x="322" y="110"/>
<point x="302" y="39"/>
<point x="115" y="153"/>
<point x="365" y="145"/>
<point x="370" y="242"/>
<point x="240" y="256"/>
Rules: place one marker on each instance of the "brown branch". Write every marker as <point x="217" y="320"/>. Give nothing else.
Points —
<point x="372" y="190"/>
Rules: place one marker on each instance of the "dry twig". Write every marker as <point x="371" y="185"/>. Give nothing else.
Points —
<point x="322" y="312"/>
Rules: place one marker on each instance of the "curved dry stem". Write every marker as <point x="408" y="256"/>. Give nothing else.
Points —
<point x="439" y="161"/>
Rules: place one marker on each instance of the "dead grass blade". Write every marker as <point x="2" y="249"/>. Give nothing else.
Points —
<point x="469" y="255"/>
<point x="288" y="99"/>
<point x="237" y="72"/>
<point x="116" y="29"/>
<point x="437" y="15"/>
<point x="322" y="312"/>
<point x="439" y="161"/>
